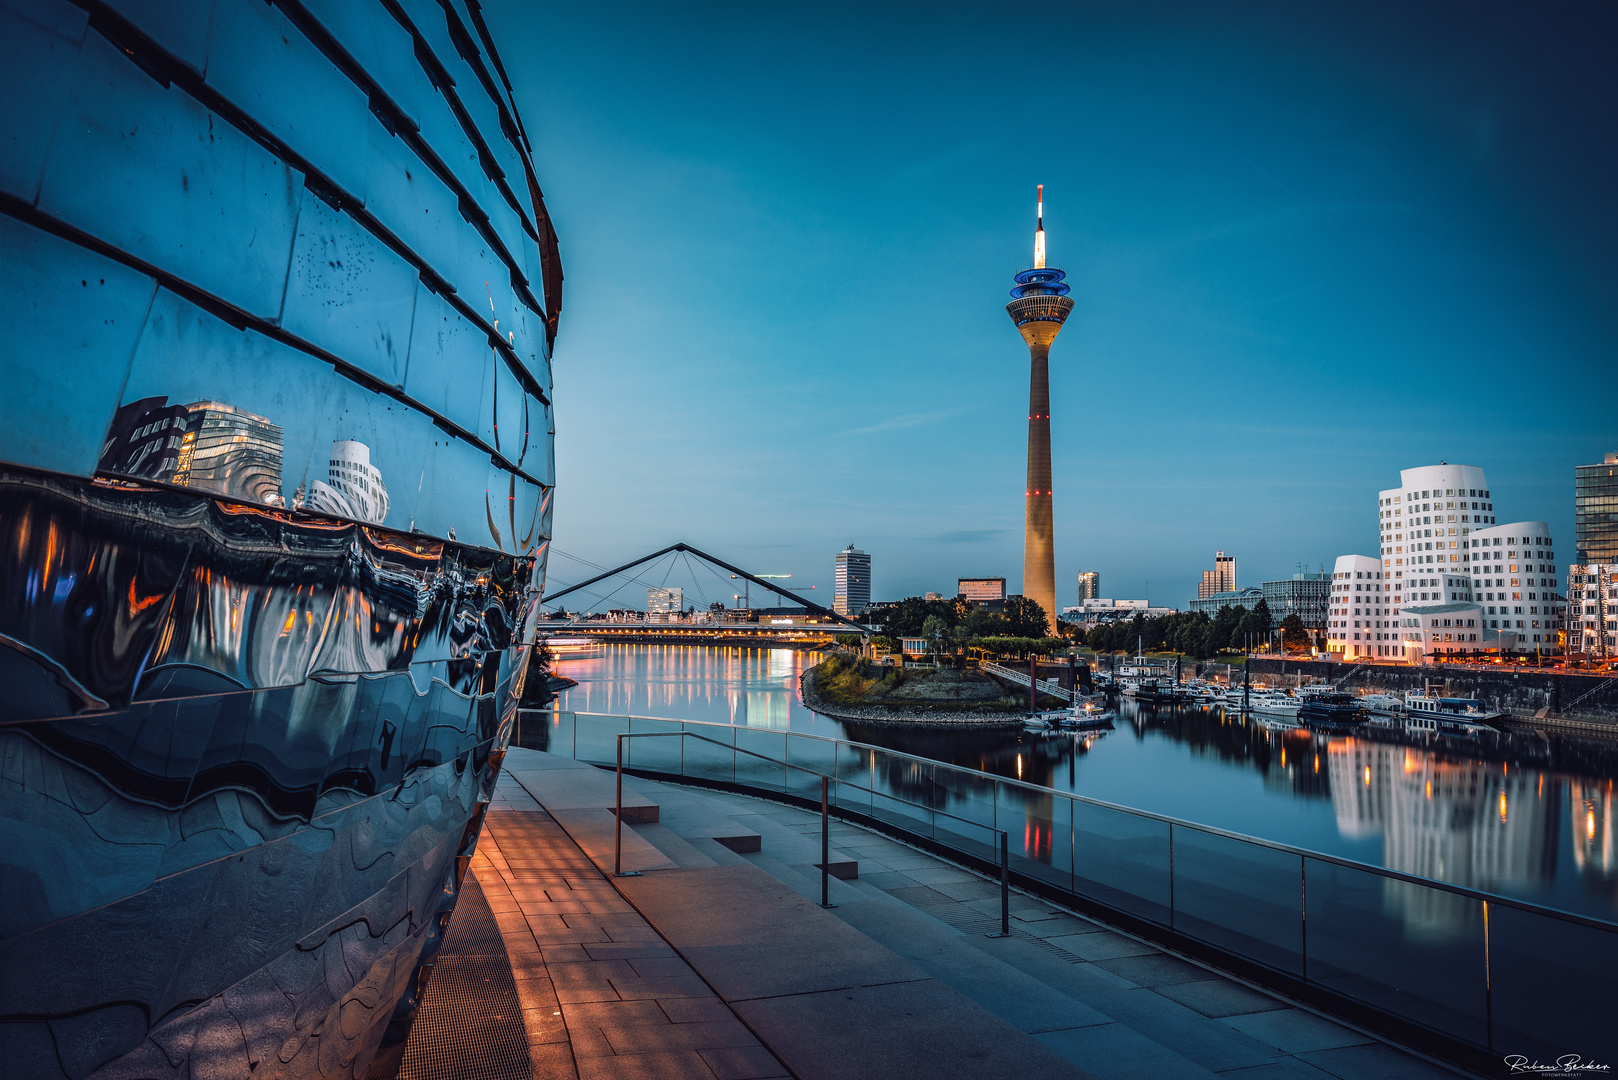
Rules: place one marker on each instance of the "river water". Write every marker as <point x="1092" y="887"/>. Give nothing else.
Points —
<point x="1519" y="815"/>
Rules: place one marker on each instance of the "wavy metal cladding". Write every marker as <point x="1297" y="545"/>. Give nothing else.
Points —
<point x="279" y="291"/>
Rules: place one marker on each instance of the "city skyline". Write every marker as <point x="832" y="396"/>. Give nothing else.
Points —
<point x="1310" y="246"/>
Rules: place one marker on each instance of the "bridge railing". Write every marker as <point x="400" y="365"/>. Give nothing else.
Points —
<point x="1415" y="957"/>
<point x="1023" y="678"/>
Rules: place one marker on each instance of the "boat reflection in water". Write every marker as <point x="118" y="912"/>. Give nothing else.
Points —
<point x="275" y="500"/>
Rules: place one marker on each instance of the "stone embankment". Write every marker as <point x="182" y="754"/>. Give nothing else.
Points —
<point x="943" y="716"/>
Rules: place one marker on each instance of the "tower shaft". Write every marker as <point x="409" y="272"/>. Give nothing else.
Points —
<point x="1039" y="525"/>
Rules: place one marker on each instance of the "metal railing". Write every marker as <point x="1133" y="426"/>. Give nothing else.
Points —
<point x="1053" y="687"/>
<point x="1484" y="971"/>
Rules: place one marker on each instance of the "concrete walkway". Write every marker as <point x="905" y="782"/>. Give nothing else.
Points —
<point x="898" y="979"/>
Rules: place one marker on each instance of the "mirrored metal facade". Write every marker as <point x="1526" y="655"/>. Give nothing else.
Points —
<point x="278" y="290"/>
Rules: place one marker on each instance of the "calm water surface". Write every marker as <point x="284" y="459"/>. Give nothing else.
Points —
<point x="1514" y="814"/>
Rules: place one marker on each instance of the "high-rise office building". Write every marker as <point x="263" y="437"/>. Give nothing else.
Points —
<point x="982" y="590"/>
<point x="1039" y="307"/>
<point x="1304" y="595"/>
<point x="1089" y="585"/>
<point x="1221" y="579"/>
<point x="852" y="590"/>
<point x="1595" y="511"/>
<point x="665" y="601"/>
<point x="144" y="440"/>
<point x="231" y="452"/>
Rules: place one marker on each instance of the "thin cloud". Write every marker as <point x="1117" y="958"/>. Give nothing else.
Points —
<point x="907" y="420"/>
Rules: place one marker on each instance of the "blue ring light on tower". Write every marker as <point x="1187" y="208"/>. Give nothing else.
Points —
<point x="1041" y="282"/>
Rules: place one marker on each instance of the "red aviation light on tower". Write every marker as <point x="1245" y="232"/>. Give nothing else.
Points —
<point x="1039" y="232"/>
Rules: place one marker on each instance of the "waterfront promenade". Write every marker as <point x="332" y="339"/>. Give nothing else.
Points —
<point x="717" y="961"/>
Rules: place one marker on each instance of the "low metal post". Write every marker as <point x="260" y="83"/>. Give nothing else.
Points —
<point x="618" y="817"/>
<point x="825" y="843"/>
<point x="1005" y="886"/>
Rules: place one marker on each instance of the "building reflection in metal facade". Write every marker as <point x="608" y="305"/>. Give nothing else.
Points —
<point x="279" y="290"/>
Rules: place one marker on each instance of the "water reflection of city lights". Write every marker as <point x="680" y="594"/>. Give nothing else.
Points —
<point x="1502" y="808"/>
<point x="1368" y="776"/>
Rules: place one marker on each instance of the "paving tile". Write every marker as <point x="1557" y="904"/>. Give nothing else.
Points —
<point x="662" y="986"/>
<point x="648" y="1038"/>
<point x="742" y="1063"/>
<point x="659" y="965"/>
<point x="1220" y="998"/>
<point x="1374" y="1061"/>
<point x="673" y="1065"/>
<point x="919" y="896"/>
<point x="588" y="1042"/>
<point x="885" y="879"/>
<point x="694" y="1010"/>
<point x="571" y="952"/>
<point x="971" y="889"/>
<point x="544" y="1026"/>
<point x="1295" y="1031"/>
<point x="589" y="971"/>
<point x="907" y="1031"/>
<point x="1288" y="1068"/>
<point x="614" y="1013"/>
<point x="552" y="1061"/>
<point x="1116" y="1052"/>
<point x="1103" y="946"/>
<point x="938" y="874"/>
<point x="627" y="950"/>
<point x="1153" y="969"/>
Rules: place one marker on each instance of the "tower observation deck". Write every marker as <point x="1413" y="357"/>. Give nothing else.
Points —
<point x="1039" y="307"/>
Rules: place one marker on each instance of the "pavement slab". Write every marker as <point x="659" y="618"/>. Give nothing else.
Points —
<point x="919" y="1030"/>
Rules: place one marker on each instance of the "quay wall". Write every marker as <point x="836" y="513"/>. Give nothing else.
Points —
<point x="1523" y="694"/>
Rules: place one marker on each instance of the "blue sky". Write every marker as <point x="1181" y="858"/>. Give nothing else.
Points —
<point x="1309" y="244"/>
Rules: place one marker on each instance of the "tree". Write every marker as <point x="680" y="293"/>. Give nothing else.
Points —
<point x="1262" y="616"/>
<point x="934" y="630"/>
<point x="1295" y="635"/>
<point x="905" y="618"/>
<point x="1025" y="618"/>
<point x="885" y="643"/>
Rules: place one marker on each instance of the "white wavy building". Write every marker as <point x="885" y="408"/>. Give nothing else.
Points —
<point x="353" y="486"/>
<point x="1450" y="580"/>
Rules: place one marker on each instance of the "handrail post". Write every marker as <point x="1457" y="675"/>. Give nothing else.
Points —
<point x="1005" y="886"/>
<point x="618" y="814"/>
<point x="825" y="844"/>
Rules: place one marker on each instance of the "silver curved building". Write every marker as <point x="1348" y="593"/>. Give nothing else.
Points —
<point x="277" y="297"/>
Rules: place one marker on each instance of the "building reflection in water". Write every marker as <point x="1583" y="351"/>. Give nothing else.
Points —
<point x="1467" y="822"/>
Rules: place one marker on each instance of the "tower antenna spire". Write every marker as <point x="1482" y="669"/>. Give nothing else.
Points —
<point x="1039" y="232"/>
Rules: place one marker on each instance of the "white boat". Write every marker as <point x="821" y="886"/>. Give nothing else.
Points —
<point x="1454" y="712"/>
<point x="1382" y="704"/>
<point x="1273" y="703"/>
<point x="1085" y="712"/>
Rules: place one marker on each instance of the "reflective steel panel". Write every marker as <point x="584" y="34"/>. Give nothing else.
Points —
<point x="275" y="499"/>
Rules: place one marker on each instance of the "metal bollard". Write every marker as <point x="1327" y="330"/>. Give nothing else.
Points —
<point x="1005" y="887"/>
<point x="825" y="844"/>
<point x="618" y="820"/>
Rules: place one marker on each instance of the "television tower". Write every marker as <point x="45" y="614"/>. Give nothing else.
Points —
<point x="1039" y="307"/>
